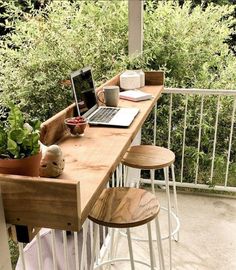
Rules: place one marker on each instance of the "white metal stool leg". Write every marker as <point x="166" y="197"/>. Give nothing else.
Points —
<point x="166" y="173"/>
<point x="152" y="256"/>
<point x="130" y="249"/>
<point x="175" y="199"/>
<point x="159" y="245"/>
<point x="175" y="216"/>
<point x="152" y="176"/>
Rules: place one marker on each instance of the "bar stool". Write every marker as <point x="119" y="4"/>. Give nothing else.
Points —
<point x="125" y="208"/>
<point x="150" y="157"/>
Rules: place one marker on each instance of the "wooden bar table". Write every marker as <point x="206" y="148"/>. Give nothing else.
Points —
<point x="92" y="159"/>
<point x="89" y="163"/>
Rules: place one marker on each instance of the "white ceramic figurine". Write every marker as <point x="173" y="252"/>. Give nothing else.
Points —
<point x="52" y="163"/>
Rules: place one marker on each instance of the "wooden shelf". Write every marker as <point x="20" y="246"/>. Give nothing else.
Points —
<point x="65" y="202"/>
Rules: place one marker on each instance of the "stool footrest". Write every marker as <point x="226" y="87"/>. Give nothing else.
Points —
<point x="119" y="260"/>
<point x="174" y="232"/>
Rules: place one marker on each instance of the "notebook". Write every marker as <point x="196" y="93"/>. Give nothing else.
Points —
<point x="87" y="106"/>
<point x="135" y="95"/>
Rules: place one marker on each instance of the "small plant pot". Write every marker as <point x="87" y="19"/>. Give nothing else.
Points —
<point x="26" y="166"/>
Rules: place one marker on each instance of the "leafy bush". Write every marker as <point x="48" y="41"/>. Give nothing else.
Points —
<point x="48" y="44"/>
<point x="190" y="46"/>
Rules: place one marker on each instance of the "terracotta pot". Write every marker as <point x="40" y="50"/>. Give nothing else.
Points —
<point x="26" y="166"/>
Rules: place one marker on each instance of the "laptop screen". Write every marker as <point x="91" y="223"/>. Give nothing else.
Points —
<point x="83" y="90"/>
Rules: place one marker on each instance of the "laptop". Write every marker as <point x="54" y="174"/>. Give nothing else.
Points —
<point x="87" y="106"/>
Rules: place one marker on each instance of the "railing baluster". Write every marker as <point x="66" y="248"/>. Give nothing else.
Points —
<point x="65" y="248"/>
<point x="39" y="251"/>
<point x="184" y="137"/>
<point x="120" y="175"/>
<point x="103" y="234"/>
<point x="155" y="125"/>
<point x="92" y="242"/>
<point x="76" y="250"/>
<point x="170" y="120"/>
<point x="22" y="257"/>
<point x="5" y="262"/>
<point x="98" y="245"/>
<point x="199" y="138"/>
<point x="83" y="264"/>
<point x="117" y="177"/>
<point x="113" y="180"/>
<point x="230" y="142"/>
<point x="53" y="242"/>
<point x="215" y="138"/>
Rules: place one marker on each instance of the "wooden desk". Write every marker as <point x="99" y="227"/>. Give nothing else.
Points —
<point x="90" y="161"/>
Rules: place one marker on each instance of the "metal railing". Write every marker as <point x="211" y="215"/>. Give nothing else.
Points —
<point x="198" y="125"/>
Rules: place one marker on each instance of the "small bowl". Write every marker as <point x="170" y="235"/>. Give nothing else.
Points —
<point x="76" y="125"/>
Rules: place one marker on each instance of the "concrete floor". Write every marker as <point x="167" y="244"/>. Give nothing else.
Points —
<point x="207" y="235"/>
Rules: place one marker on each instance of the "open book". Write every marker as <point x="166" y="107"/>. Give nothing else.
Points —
<point x="135" y="95"/>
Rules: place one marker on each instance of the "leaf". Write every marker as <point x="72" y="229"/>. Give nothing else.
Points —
<point x="13" y="148"/>
<point x="15" y="117"/>
<point x="17" y="135"/>
<point x="35" y="123"/>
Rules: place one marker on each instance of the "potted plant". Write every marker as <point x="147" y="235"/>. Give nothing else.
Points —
<point x="19" y="144"/>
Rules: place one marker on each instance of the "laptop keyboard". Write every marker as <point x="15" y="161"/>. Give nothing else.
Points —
<point x="104" y="115"/>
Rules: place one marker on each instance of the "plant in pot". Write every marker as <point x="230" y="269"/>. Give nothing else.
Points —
<point x="19" y="144"/>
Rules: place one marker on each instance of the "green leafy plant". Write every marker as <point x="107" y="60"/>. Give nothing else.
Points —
<point x="18" y="139"/>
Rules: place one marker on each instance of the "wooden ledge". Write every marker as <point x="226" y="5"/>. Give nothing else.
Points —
<point x="41" y="202"/>
<point x="65" y="203"/>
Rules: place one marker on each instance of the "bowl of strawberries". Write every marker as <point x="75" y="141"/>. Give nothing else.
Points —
<point x="76" y="125"/>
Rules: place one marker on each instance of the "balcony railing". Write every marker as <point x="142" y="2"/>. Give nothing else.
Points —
<point x="199" y="126"/>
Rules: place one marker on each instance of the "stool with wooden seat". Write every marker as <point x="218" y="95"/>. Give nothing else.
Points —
<point x="125" y="208"/>
<point x="150" y="157"/>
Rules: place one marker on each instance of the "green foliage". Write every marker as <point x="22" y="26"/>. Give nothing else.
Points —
<point x="14" y="252"/>
<point x="47" y="45"/>
<point x="17" y="138"/>
<point x="190" y="46"/>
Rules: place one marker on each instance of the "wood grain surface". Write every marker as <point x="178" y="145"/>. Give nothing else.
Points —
<point x="91" y="159"/>
<point x="89" y="163"/>
<point x="148" y="157"/>
<point x="41" y="202"/>
<point x="125" y="207"/>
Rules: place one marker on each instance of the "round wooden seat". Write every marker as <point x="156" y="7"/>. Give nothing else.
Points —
<point x="148" y="157"/>
<point x="124" y="208"/>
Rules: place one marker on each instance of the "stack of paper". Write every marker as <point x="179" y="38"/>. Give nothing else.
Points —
<point x="135" y="95"/>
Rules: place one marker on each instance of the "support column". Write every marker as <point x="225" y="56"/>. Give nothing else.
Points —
<point x="135" y="47"/>
<point x="5" y="262"/>
<point x="135" y="26"/>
